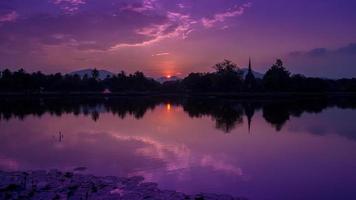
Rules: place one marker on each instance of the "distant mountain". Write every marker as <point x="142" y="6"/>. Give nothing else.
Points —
<point x="102" y="73"/>
<point x="165" y="79"/>
<point x="256" y="74"/>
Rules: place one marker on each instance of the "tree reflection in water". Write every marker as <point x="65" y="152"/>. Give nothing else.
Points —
<point x="226" y="113"/>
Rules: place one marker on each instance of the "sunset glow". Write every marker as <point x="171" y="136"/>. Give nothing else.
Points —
<point x="154" y="36"/>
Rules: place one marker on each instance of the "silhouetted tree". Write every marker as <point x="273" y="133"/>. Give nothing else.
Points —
<point x="225" y="114"/>
<point x="300" y="83"/>
<point x="226" y="78"/>
<point x="198" y="82"/>
<point x="276" y="114"/>
<point x="95" y="74"/>
<point x="277" y="77"/>
<point x="226" y="67"/>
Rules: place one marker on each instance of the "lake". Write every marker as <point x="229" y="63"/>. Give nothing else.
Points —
<point x="259" y="149"/>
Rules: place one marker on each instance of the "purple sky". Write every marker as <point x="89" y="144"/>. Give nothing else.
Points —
<point x="175" y="37"/>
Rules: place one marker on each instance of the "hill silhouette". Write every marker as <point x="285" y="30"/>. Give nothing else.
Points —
<point x="227" y="78"/>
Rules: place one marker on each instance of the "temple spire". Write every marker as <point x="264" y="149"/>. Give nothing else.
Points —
<point x="250" y="80"/>
<point x="249" y="112"/>
<point x="249" y="120"/>
<point x="249" y="64"/>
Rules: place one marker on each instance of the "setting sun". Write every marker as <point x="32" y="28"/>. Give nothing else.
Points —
<point x="168" y="107"/>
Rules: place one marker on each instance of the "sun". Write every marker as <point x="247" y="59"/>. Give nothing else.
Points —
<point x="168" y="107"/>
<point x="168" y="76"/>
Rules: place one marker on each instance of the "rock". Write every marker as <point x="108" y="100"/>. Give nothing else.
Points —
<point x="55" y="185"/>
<point x="43" y="185"/>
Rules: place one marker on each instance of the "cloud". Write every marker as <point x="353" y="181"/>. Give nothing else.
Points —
<point x="220" y="165"/>
<point x="100" y="27"/>
<point x="98" y="30"/>
<point x="56" y="27"/>
<point x="178" y="156"/>
<point x="154" y="33"/>
<point x="73" y="2"/>
<point x="9" y="17"/>
<point x="92" y="29"/>
<point x="161" y="54"/>
<point x="69" y="6"/>
<point x="181" y="5"/>
<point x="350" y="49"/>
<point x="221" y="17"/>
<point x="324" y="62"/>
<point x="347" y="50"/>
<point x="145" y="5"/>
<point x="313" y="53"/>
<point x="184" y="22"/>
<point x="176" y="25"/>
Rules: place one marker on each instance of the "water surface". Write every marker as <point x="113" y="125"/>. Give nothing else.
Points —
<point x="302" y="149"/>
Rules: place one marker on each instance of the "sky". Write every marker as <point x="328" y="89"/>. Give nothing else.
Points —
<point x="176" y="37"/>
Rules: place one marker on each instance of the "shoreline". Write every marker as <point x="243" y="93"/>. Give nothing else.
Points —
<point x="246" y="95"/>
<point x="57" y="185"/>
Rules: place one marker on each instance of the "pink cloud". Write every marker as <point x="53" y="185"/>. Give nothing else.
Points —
<point x="161" y="54"/>
<point x="179" y="156"/>
<point x="146" y="5"/>
<point x="73" y="2"/>
<point x="9" y="17"/>
<point x="181" y="6"/>
<point x="69" y="6"/>
<point x="221" y="17"/>
<point x="177" y="25"/>
<point x="219" y="165"/>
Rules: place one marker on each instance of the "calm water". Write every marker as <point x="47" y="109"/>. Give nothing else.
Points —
<point x="257" y="149"/>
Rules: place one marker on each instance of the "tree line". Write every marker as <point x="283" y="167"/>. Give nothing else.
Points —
<point x="226" y="78"/>
<point x="227" y="114"/>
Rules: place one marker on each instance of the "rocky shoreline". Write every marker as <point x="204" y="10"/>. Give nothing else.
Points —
<point x="57" y="185"/>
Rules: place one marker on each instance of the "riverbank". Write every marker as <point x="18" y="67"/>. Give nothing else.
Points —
<point x="56" y="185"/>
<point x="242" y="95"/>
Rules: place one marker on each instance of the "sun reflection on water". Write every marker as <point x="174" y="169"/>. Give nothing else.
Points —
<point x="168" y="107"/>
